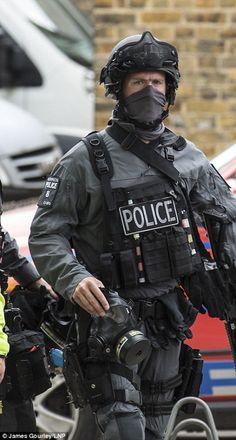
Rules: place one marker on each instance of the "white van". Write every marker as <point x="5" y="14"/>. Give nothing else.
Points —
<point x="27" y="152"/>
<point x="46" y="60"/>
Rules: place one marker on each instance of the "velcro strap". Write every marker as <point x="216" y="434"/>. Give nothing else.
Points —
<point x="155" y="309"/>
<point x="162" y="386"/>
<point x="157" y="409"/>
<point x="122" y="370"/>
<point x="131" y="396"/>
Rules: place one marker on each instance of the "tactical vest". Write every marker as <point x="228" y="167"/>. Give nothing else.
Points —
<point x="147" y="230"/>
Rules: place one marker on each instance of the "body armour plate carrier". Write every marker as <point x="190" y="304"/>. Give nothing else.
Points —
<point x="148" y="236"/>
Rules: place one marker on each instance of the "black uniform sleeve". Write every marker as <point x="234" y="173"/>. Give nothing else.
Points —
<point x="16" y="265"/>
<point x="210" y="195"/>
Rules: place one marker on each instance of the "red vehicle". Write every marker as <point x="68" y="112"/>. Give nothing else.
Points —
<point x="219" y="381"/>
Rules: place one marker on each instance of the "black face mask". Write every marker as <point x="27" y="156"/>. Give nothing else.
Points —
<point x="145" y="106"/>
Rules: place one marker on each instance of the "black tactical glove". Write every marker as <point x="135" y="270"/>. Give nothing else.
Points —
<point x="160" y="332"/>
<point x="180" y="314"/>
<point x="193" y="288"/>
<point x="209" y="288"/>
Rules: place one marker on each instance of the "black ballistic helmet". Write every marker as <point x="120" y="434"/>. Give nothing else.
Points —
<point x="138" y="53"/>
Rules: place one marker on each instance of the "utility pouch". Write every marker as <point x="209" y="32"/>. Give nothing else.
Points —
<point x="26" y="365"/>
<point x="180" y="253"/>
<point x="167" y="256"/>
<point x="191" y="366"/>
<point x="128" y="267"/>
<point x="109" y="270"/>
<point x="156" y="258"/>
<point x="74" y="376"/>
<point x="100" y="390"/>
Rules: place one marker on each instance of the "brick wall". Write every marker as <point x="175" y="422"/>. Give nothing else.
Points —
<point x="86" y="7"/>
<point x="204" y="32"/>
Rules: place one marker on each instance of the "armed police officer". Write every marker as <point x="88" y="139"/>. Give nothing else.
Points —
<point x="113" y="234"/>
<point x="17" y="413"/>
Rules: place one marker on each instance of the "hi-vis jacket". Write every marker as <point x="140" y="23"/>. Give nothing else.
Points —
<point x="71" y="208"/>
<point x="4" y="346"/>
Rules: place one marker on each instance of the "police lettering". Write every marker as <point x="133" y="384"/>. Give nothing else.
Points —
<point x="49" y="193"/>
<point x="51" y="185"/>
<point x="145" y="216"/>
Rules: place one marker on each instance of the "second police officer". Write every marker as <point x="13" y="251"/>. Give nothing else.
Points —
<point x="17" y="413"/>
<point x="113" y="215"/>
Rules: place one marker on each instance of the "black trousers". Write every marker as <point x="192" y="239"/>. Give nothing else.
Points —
<point x="18" y="416"/>
<point x="125" y="421"/>
<point x="121" y="419"/>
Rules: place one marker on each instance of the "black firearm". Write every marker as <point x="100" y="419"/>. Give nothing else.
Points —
<point x="226" y="277"/>
<point x="13" y="317"/>
<point x="74" y="376"/>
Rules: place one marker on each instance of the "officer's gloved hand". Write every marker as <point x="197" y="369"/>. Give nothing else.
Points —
<point x="192" y="286"/>
<point x="42" y="286"/>
<point x="210" y="290"/>
<point x="157" y="333"/>
<point x="217" y="291"/>
<point x="212" y="294"/>
<point x="188" y="310"/>
<point x="181" y="313"/>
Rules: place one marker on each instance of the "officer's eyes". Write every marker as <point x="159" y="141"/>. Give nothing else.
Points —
<point x="143" y="82"/>
<point x="138" y="82"/>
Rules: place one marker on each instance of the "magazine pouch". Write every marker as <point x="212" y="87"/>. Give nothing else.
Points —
<point x="26" y="365"/>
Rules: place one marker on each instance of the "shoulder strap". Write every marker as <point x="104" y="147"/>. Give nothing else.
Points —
<point x="99" y="155"/>
<point x="170" y="138"/>
<point x="102" y="165"/>
<point x="129" y="141"/>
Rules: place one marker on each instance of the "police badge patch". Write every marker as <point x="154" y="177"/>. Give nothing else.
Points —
<point x="145" y="216"/>
<point x="49" y="192"/>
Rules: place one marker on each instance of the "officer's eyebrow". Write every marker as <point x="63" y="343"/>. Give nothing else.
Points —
<point x="143" y="77"/>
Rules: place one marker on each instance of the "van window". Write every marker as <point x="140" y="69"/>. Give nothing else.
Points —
<point x="65" y="27"/>
<point x="17" y="70"/>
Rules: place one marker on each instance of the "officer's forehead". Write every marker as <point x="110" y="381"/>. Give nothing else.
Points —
<point x="146" y="74"/>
